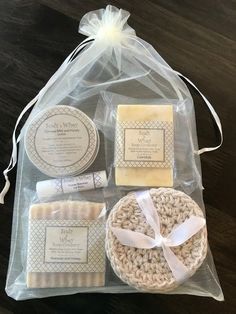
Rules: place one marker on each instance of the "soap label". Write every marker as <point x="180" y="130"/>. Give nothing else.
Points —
<point x="66" y="244"/>
<point x="144" y="144"/>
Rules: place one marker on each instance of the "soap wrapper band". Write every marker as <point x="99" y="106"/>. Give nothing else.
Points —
<point x="146" y="143"/>
<point x="88" y="181"/>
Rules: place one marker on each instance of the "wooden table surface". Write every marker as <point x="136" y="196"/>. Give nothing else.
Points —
<point x="197" y="38"/>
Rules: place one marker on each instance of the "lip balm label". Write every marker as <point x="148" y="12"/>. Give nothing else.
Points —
<point x="144" y="144"/>
<point x="82" y="183"/>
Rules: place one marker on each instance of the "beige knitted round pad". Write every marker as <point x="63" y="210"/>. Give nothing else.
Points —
<point x="147" y="269"/>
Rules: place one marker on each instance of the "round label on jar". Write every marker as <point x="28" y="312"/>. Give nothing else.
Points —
<point x="61" y="141"/>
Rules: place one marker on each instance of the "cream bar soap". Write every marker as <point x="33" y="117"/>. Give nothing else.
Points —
<point x="66" y="245"/>
<point x="144" y="145"/>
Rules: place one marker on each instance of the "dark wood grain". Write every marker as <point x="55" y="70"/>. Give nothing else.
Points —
<point x="197" y="38"/>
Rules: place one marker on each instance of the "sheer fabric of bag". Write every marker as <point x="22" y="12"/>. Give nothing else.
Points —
<point x="111" y="66"/>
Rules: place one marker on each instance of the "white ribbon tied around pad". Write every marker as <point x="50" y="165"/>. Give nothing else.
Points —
<point x="176" y="237"/>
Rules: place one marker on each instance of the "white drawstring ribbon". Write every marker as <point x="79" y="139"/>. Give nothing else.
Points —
<point x="15" y="141"/>
<point x="108" y="26"/>
<point x="176" y="237"/>
<point x="214" y="114"/>
<point x="209" y="105"/>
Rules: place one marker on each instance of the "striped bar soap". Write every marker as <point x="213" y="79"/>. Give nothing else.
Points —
<point x="66" y="245"/>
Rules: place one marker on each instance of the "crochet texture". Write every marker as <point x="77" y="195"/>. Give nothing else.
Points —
<point x="147" y="269"/>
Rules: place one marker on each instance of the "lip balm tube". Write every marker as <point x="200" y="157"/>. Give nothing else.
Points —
<point x="88" y="181"/>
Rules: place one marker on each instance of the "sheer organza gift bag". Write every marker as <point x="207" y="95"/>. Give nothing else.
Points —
<point x="112" y="68"/>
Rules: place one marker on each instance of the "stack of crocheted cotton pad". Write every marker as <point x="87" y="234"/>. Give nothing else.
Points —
<point x="147" y="269"/>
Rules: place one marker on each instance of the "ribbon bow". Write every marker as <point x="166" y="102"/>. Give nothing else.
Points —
<point x="176" y="237"/>
<point x="108" y="24"/>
